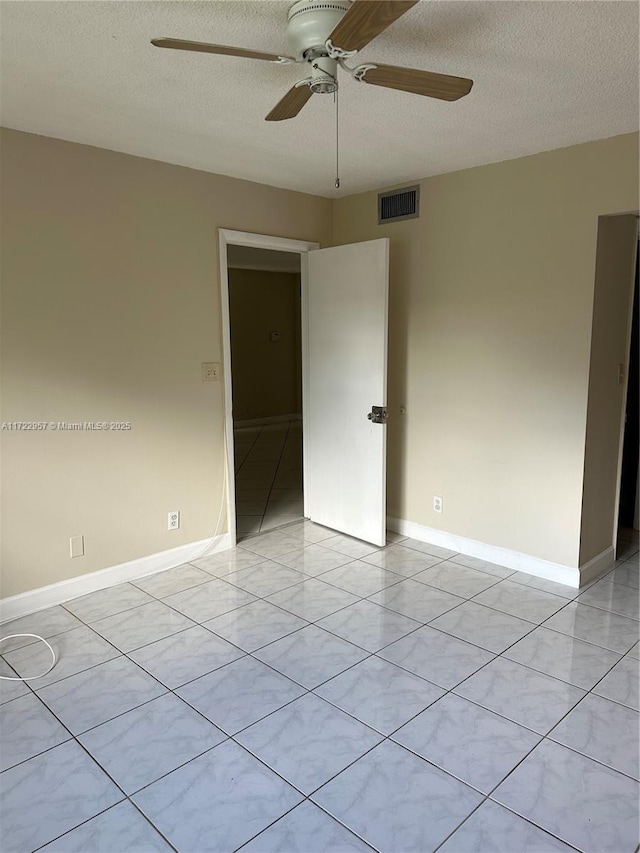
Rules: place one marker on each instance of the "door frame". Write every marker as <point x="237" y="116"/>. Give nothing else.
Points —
<point x="227" y="237"/>
<point x="625" y="384"/>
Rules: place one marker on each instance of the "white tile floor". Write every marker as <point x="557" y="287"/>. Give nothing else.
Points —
<point x="307" y="692"/>
<point x="268" y="476"/>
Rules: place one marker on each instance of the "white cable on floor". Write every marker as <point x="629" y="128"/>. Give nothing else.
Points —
<point x="42" y="639"/>
<point x="30" y="677"/>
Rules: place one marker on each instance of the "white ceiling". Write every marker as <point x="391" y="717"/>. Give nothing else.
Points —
<point x="547" y="74"/>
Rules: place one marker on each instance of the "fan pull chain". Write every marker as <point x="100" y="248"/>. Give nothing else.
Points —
<point x="337" y="183"/>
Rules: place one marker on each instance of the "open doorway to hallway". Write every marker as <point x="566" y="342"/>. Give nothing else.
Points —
<point x="628" y="522"/>
<point x="266" y="369"/>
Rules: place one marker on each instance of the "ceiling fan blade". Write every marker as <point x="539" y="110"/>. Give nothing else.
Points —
<point x="365" y="20"/>
<point x="291" y="104"/>
<point x="225" y="50"/>
<point x="442" y="86"/>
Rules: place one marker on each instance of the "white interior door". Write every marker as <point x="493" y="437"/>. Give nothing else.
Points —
<point x="346" y="374"/>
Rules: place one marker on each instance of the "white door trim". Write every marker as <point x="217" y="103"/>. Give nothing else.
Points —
<point x="625" y="386"/>
<point x="279" y="244"/>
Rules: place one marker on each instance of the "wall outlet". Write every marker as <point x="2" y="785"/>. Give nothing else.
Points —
<point x="210" y="371"/>
<point x="173" y="520"/>
<point x="437" y="504"/>
<point x="76" y="546"/>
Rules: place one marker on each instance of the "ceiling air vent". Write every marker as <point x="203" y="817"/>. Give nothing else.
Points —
<point x="399" y="204"/>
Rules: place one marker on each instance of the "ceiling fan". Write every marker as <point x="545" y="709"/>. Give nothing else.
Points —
<point x="324" y="35"/>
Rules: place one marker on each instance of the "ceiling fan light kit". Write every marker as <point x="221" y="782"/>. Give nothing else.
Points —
<point x="323" y="34"/>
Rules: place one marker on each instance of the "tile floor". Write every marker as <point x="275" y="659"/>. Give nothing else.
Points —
<point x="268" y="476"/>
<point x="307" y="692"/>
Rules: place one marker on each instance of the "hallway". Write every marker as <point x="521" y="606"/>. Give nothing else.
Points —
<point x="268" y="476"/>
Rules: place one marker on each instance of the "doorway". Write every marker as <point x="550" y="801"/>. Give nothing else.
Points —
<point x="628" y="524"/>
<point x="259" y="439"/>
<point x="344" y="298"/>
<point x="266" y="370"/>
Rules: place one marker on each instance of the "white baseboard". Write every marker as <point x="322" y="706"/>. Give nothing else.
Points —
<point x="568" y="575"/>
<point x="57" y="593"/>
<point x="273" y="419"/>
<point x="597" y="566"/>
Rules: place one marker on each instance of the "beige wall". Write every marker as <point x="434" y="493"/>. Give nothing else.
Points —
<point x="111" y="303"/>
<point x="490" y="329"/>
<point x="266" y="373"/>
<point x="110" y="290"/>
<point x="615" y="272"/>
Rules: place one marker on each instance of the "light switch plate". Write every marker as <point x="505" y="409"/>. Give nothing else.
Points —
<point x="210" y="371"/>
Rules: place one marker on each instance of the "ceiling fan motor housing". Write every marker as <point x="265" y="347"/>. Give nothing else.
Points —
<point x="310" y="23"/>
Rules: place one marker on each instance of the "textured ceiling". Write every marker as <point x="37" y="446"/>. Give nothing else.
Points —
<point x="547" y="74"/>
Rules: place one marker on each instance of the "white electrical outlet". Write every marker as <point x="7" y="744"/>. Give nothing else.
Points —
<point x="173" y="520"/>
<point x="437" y="504"/>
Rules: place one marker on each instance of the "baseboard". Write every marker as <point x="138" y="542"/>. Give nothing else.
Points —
<point x="273" y="419"/>
<point x="57" y="593"/>
<point x="597" y="566"/>
<point x="568" y="575"/>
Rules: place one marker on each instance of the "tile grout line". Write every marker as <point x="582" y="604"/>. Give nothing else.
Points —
<point x="172" y="691"/>
<point x="270" y="488"/>
<point x="306" y="797"/>
<point x="283" y="448"/>
<point x="75" y="739"/>
<point x="245" y="654"/>
<point x="275" y="476"/>
<point x="99" y="814"/>
<point x="245" y="460"/>
<point x="363" y="598"/>
<point x="308" y="800"/>
<point x="253" y="444"/>
<point x="375" y="654"/>
<point x="311" y="690"/>
<point x="326" y="782"/>
<point x="88" y="625"/>
<point x="306" y="543"/>
<point x="542" y="737"/>
<point x="521" y="817"/>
